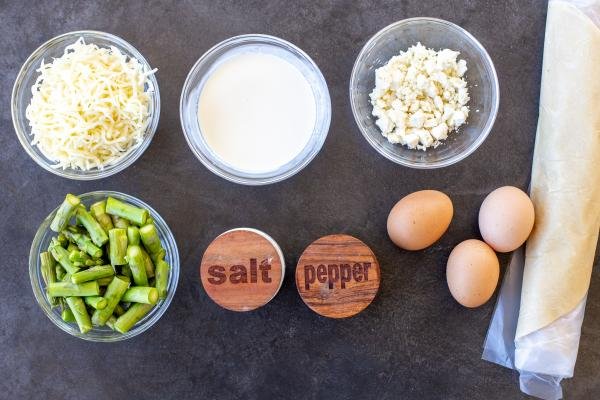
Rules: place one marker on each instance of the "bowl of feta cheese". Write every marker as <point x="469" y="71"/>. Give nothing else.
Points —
<point x="424" y="93"/>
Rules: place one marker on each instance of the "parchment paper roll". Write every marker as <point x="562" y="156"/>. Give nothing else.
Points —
<point x="539" y="336"/>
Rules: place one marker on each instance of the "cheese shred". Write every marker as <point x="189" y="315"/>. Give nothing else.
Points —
<point x="89" y="107"/>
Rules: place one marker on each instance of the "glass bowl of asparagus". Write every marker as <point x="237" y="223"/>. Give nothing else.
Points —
<point x="104" y="266"/>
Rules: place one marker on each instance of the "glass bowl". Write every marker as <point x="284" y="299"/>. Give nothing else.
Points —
<point x="200" y="72"/>
<point x="21" y="97"/>
<point x="481" y="78"/>
<point x="103" y="334"/>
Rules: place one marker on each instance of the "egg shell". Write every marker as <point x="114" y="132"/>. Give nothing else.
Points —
<point x="419" y="219"/>
<point x="472" y="273"/>
<point x="506" y="218"/>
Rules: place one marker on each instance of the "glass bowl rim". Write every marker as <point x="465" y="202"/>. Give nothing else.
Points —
<point x="38" y="290"/>
<point x="320" y="132"/>
<point x="495" y="89"/>
<point x="76" y="174"/>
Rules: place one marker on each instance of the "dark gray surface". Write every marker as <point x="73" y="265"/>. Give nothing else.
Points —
<point x="414" y="341"/>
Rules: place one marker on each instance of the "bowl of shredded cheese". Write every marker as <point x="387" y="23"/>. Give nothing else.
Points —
<point x="85" y="105"/>
<point x="424" y="93"/>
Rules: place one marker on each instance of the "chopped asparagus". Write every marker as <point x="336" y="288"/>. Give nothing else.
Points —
<point x="119" y="222"/>
<point x="67" y="289"/>
<point x="124" y="210"/>
<point x="76" y="273"/>
<point x="134" y="314"/>
<point x="96" y="302"/>
<point x="110" y="322"/>
<point x="97" y="234"/>
<point x="67" y="315"/>
<point x="135" y="260"/>
<point x="80" y="312"/>
<point x="126" y="271"/>
<point x="84" y="242"/>
<point x="61" y="255"/>
<point x="104" y="281"/>
<point x="141" y="294"/>
<point x="114" y="292"/>
<point x="48" y="269"/>
<point x="93" y="273"/>
<point x="133" y="235"/>
<point x="118" y="246"/>
<point x="148" y="264"/>
<point x="124" y="278"/>
<point x="151" y="241"/>
<point x="119" y="310"/>
<point x="78" y="256"/>
<point x="61" y="240"/>
<point x="162" y="278"/>
<point x="60" y="272"/>
<point x="64" y="213"/>
<point x="98" y="210"/>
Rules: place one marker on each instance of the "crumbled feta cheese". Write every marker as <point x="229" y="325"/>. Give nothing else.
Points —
<point x="420" y="96"/>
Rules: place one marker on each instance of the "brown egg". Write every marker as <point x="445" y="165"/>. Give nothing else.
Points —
<point x="419" y="219"/>
<point x="472" y="272"/>
<point x="506" y="218"/>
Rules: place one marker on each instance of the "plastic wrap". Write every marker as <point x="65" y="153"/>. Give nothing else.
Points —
<point x="536" y="325"/>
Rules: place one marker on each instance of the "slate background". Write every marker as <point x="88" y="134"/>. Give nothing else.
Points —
<point x="413" y="342"/>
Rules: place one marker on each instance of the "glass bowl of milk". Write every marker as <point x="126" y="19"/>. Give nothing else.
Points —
<point x="255" y="109"/>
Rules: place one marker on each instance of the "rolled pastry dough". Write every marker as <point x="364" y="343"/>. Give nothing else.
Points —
<point x="565" y="181"/>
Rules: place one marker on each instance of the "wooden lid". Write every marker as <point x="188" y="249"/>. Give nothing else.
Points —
<point x="337" y="276"/>
<point x="242" y="269"/>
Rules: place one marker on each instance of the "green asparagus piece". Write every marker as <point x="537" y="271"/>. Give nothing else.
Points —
<point x="151" y="241"/>
<point x="48" y="269"/>
<point x="148" y="264"/>
<point x="124" y="278"/>
<point x="118" y="246"/>
<point x="119" y="222"/>
<point x="133" y="235"/>
<point x="78" y="256"/>
<point x="84" y="242"/>
<point x="94" y="262"/>
<point x="71" y="247"/>
<point x="67" y="315"/>
<point x="97" y="234"/>
<point x="80" y="312"/>
<point x="126" y="271"/>
<point x="149" y="220"/>
<point x="60" y="272"/>
<point x="104" y="281"/>
<point x="135" y="260"/>
<point x="97" y="302"/>
<point x="98" y="210"/>
<point x="124" y="210"/>
<point x="64" y="213"/>
<point x="61" y="255"/>
<point x="93" y="273"/>
<point x="67" y="289"/>
<point x="134" y="314"/>
<point x="114" y="292"/>
<point x="119" y="310"/>
<point x="110" y="322"/>
<point x="62" y="240"/>
<point x="141" y="294"/>
<point x="162" y="278"/>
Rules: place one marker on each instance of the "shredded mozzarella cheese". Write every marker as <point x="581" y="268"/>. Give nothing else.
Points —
<point x="89" y="107"/>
